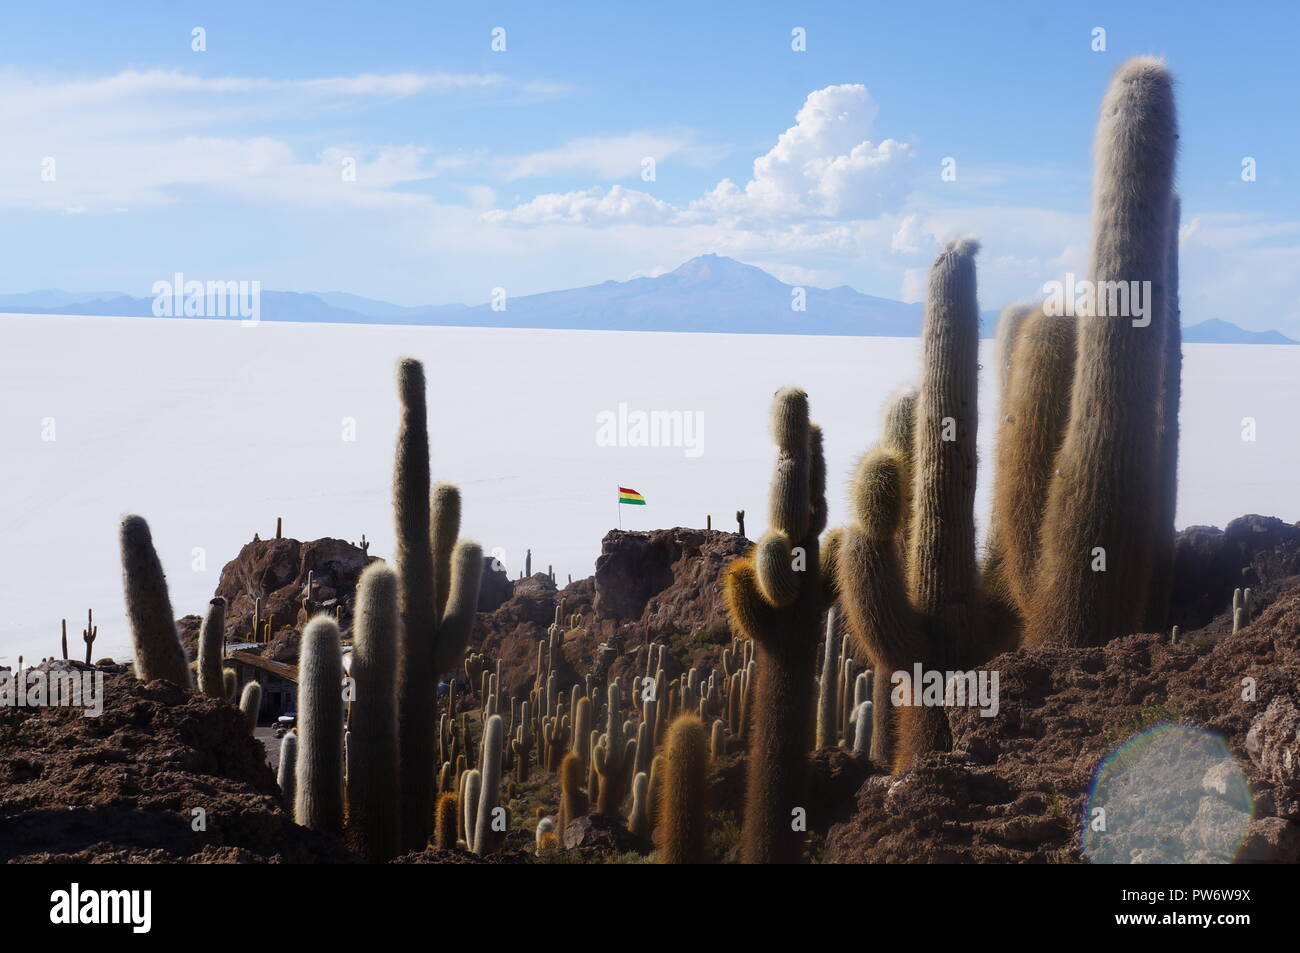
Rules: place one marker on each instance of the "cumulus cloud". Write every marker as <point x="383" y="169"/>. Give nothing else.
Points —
<point x="825" y="167"/>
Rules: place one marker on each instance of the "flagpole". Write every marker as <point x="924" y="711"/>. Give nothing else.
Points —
<point x="619" y="497"/>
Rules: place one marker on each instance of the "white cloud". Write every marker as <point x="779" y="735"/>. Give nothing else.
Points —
<point x="594" y="206"/>
<point x="825" y="167"/>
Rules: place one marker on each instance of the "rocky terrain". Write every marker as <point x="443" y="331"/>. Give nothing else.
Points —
<point x="1013" y="789"/>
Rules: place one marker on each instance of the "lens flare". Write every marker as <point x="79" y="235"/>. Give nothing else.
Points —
<point x="1170" y="795"/>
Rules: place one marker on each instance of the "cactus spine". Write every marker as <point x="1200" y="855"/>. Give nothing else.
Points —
<point x="318" y="801"/>
<point x="1102" y="499"/>
<point x="372" y="770"/>
<point x="681" y="834"/>
<point x="158" y="649"/>
<point x="438" y="582"/>
<point x="775" y="596"/>
<point x="212" y="635"/>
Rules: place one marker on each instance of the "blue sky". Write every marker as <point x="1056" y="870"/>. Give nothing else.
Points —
<point x="522" y="169"/>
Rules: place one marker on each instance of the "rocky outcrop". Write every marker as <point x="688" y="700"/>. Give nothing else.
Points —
<point x="122" y="787"/>
<point x="660" y="585"/>
<point x="275" y="571"/>
<point x="1014" y="788"/>
<point x="1261" y="552"/>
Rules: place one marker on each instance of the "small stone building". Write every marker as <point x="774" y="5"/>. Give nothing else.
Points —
<point x="279" y="681"/>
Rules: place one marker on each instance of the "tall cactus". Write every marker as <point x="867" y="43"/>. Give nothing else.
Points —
<point x="438" y="581"/>
<point x="775" y="596"/>
<point x="318" y="801"/>
<point x="941" y="558"/>
<point x="372" y="772"/>
<point x="1105" y="491"/>
<point x="158" y="649"/>
<point x="1171" y="388"/>
<point x="212" y="635"/>
<point x="681" y="831"/>
<point x="490" y="790"/>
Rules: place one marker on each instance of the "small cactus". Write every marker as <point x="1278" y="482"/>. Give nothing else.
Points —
<point x="288" y="762"/>
<point x="229" y="683"/>
<point x="250" y="703"/>
<point x="444" y="825"/>
<point x="212" y="634"/>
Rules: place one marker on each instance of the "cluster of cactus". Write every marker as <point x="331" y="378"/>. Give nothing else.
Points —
<point x="1243" y="609"/>
<point x="1080" y="537"/>
<point x="438" y="583"/>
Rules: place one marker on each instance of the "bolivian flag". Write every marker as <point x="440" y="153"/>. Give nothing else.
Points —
<point x="631" y="497"/>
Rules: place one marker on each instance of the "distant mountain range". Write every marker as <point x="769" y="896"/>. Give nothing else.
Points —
<point x="710" y="293"/>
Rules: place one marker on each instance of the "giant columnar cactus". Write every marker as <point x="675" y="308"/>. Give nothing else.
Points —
<point x="158" y="649"/>
<point x="318" y="801"/>
<point x="287" y="770"/>
<point x="573" y="802"/>
<point x="681" y="833"/>
<point x="250" y="703"/>
<point x="1171" y="388"/>
<point x="941" y="569"/>
<point x="1035" y="405"/>
<point x="212" y="635"/>
<point x="1105" y="491"/>
<point x="372" y="772"/>
<point x="229" y="683"/>
<point x="438" y="581"/>
<point x="490" y="788"/>
<point x="775" y="595"/>
<point x="613" y="758"/>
